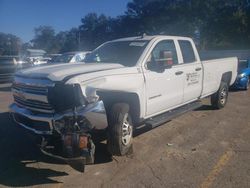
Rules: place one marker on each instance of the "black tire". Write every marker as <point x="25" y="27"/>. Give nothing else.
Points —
<point x="219" y="99"/>
<point x="247" y="84"/>
<point x="119" y="141"/>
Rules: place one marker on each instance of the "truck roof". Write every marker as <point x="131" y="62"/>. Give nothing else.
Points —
<point x="150" y="37"/>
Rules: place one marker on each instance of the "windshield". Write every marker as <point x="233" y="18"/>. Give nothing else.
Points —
<point x="65" y="58"/>
<point x="126" y="53"/>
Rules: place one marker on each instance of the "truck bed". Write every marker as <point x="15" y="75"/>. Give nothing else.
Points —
<point x="213" y="71"/>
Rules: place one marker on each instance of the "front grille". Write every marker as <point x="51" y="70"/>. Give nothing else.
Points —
<point x="31" y="89"/>
<point x="33" y="124"/>
<point x="6" y="77"/>
<point x="34" y="105"/>
<point x="31" y="95"/>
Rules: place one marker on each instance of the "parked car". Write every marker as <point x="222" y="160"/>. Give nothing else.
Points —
<point x="41" y="60"/>
<point x="53" y="57"/>
<point x="9" y="65"/>
<point x="122" y="84"/>
<point x="243" y="78"/>
<point x="69" y="57"/>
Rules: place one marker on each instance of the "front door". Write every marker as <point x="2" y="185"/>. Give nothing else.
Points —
<point x="164" y="88"/>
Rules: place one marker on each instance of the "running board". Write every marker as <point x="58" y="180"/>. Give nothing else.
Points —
<point x="163" y="118"/>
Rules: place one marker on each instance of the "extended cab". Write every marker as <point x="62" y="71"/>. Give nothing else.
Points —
<point x="122" y="84"/>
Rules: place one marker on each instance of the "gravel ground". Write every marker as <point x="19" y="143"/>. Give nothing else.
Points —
<point x="203" y="148"/>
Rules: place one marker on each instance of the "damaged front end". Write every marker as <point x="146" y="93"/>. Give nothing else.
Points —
<point x="73" y="129"/>
<point x="65" y="130"/>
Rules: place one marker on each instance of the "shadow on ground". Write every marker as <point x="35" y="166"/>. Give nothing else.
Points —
<point x="205" y="108"/>
<point x="145" y="128"/>
<point x="235" y="90"/>
<point x="16" y="153"/>
<point x="19" y="157"/>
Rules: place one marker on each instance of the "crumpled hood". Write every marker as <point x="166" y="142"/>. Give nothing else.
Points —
<point x="62" y="71"/>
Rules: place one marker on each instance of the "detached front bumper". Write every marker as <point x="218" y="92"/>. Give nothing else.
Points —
<point x="45" y="124"/>
<point x="77" y="158"/>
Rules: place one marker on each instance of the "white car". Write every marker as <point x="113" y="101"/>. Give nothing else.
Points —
<point x="70" y="57"/>
<point x="41" y="60"/>
<point x="122" y="84"/>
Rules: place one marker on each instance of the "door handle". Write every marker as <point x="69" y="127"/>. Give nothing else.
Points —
<point x="179" y="73"/>
<point x="198" y="69"/>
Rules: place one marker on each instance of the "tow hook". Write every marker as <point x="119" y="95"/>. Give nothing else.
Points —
<point x="77" y="150"/>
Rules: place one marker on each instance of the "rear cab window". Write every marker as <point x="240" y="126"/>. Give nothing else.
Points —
<point x="187" y="51"/>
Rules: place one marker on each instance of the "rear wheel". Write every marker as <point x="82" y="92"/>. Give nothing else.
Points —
<point x="219" y="99"/>
<point x="120" y="130"/>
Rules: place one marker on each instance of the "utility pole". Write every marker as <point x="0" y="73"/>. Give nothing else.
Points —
<point x="9" y="44"/>
<point x="79" y="40"/>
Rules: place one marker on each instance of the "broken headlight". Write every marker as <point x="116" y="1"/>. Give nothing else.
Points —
<point x="63" y="97"/>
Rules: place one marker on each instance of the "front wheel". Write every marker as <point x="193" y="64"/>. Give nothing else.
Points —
<point x="120" y="130"/>
<point x="219" y="99"/>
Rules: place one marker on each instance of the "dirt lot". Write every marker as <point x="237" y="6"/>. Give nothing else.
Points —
<point x="203" y="148"/>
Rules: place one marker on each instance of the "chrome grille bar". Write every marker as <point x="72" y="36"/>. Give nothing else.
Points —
<point x="30" y="89"/>
<point x="33" y="105"/>
<point x="33" y="82"/>
<point x="32" y="94"/>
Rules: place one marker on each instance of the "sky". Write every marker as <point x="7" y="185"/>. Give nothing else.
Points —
<point x="20" y="17"/>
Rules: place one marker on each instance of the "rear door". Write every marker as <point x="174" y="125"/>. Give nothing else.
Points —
<point x="192" y="69"/>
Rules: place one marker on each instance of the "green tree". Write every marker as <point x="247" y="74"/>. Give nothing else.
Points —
<point x="216" y="24"/>
<point x="221" y="23"/>
<point x="227" y="24"/>
<point x="45" y="39"/>
<point x="9" y="44"/>
<point x="69" y="40"/>
<point x="161" y="16"/>
<point x="95" y="30"/>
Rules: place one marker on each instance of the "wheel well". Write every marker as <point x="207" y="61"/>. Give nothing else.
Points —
<point x="132" y="99"/>
<point x="227" y="77"/>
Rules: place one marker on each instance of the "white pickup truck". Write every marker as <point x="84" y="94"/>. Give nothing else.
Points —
<point x="123" y="84"/>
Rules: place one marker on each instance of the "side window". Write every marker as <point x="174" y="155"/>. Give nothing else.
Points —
<point x="78" y="58"/>
<point x="187" y="51"/>
<point x="165" y="45"/>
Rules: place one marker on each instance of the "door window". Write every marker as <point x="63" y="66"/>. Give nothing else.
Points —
<point x="187" y="51"/>
<point x="165" y="45"/>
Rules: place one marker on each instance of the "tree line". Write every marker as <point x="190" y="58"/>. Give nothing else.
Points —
<point x="214" y="24"/>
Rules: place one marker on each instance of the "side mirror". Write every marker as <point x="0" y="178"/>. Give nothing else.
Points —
<point x="165" y="60"/>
